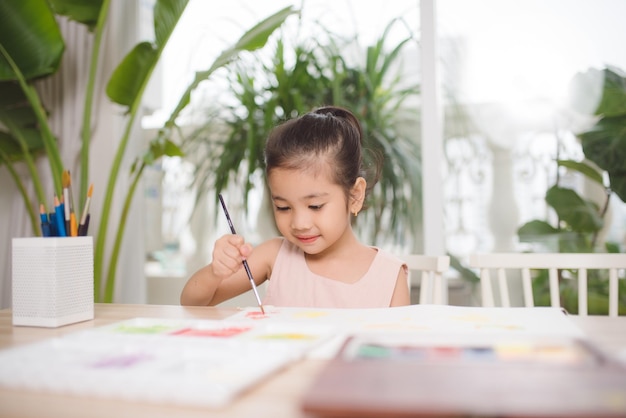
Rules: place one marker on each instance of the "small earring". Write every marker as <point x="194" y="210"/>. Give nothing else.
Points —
<point x="356" y="213"/>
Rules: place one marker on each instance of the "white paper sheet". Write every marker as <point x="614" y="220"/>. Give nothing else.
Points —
<point x="189" y="362"/>
<point x="427" y="321"/>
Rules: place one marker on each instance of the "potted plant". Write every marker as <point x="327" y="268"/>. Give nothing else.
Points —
<point x="311" y="73"/>
<point x="581" y="219"/>
<point x="31" y="48"/>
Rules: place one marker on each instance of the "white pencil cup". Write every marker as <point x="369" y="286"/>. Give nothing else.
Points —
<point x="52" y="281"/>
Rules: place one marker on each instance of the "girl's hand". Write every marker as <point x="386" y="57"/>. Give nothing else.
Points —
<point x="228" y="254"/>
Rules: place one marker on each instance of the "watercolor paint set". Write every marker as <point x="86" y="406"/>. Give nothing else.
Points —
<point x="408" y="376"/>
<point x="544" y="351"/>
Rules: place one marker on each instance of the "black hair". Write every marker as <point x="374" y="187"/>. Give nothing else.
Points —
<point x="328" y="136"/>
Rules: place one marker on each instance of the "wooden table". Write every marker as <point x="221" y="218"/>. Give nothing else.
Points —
<point x="278" y="397"/>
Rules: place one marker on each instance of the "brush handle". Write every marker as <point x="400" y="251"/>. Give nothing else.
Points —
<point x="245" y="263"/>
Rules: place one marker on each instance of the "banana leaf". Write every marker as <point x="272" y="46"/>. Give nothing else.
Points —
<point x="30" y="35"/>
<point x="19" y="116"/>
<point x="82" y="11"/>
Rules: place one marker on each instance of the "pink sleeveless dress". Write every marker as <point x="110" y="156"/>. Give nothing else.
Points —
<point x="292" y="284"/>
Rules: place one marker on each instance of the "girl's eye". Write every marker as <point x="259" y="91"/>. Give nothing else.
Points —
<point x="282" y="208"/>
<point x="315" y="207"/>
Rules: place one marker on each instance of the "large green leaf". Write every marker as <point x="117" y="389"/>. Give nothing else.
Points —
<point x="252" y="40"/>
<point x="17" y="115"/>
<point x="257" y="36"/>
<point x="158" y="149"/>
<point x="166" y="16"/>
<point x="132" y="74"/>
<point x="9" y="147"/>
<point x="530" y="230"/>
<point x="82" y="11"/>
<point x="565" y="241"/>
<point x="599" y="92"/>
<point x="583" y="168"/>
<point x="605" y="142"/>
<point x="613" y="101"/>
<point x="605" y="145"/>
<point x="618" y="183"/>
<point x="12" y="98"/>
<point x="30" y="35"/>
<point x="582" y="215"/>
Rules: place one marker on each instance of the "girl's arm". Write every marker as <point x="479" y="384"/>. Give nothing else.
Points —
<point x="401" y="294"/>
<point x="225" y="277"/>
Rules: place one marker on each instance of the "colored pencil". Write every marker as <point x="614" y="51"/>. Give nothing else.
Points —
<point x="45" y="222"/>
<point x="73" y="225"/>
<point x="53" y="225"/>
<point x="59" y="219"/>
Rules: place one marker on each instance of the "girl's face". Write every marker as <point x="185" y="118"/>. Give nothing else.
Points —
<point x="310" y="210"/>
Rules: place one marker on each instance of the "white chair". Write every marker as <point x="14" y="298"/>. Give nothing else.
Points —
<point x="433" y="285"/>
<point x="553" y="262"/>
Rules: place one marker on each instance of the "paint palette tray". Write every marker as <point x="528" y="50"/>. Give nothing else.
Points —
<point x="447" y="376"/>
<point x="188" y="362"/>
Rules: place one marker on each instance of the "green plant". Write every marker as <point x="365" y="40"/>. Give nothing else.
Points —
<point x="605" y="142"/>
<point x="604" y="147"/>
<point x="311" y="73"/>
<point x="32" y="46"/>
<point x="580" y="219"/>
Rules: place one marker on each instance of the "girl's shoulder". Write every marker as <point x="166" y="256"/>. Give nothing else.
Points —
<point x="266" y="253"/>
<point x="384" y="254"/>
<point x="268" y="250"/>
<point x="272" y="244"/>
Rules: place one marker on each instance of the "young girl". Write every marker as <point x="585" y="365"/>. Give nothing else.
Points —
<point x="315" y="177"/>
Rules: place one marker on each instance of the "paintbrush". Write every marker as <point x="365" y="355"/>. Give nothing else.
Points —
<point x="84" y="218"/>
<point x="66" y="201"/>
<point x="73" y="221"/>
<point x="245" y="263"/>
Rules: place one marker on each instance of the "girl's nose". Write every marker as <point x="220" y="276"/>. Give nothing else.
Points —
<point x="300" y="221"/>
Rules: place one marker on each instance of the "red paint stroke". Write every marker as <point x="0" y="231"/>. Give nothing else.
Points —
<point x="222" y="332"/>
<point x="256" y="315"/>
<point x="443" y="352"/>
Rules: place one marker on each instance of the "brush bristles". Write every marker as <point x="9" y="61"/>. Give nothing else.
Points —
<point x="66" y="179"/>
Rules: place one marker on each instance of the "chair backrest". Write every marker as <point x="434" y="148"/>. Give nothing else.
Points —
<point x="433" y="285"/>
<point x="553" y="262"/>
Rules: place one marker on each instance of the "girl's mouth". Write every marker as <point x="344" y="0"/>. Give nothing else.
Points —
<point x="307" y="240"/>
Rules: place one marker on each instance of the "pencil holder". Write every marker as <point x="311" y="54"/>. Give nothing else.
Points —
<point x="52" y="281"/>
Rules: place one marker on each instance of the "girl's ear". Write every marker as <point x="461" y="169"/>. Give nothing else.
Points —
<point x="357" y="195"/>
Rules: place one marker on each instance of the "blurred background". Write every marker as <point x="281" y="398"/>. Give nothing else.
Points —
<point x="475" y="103"/>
